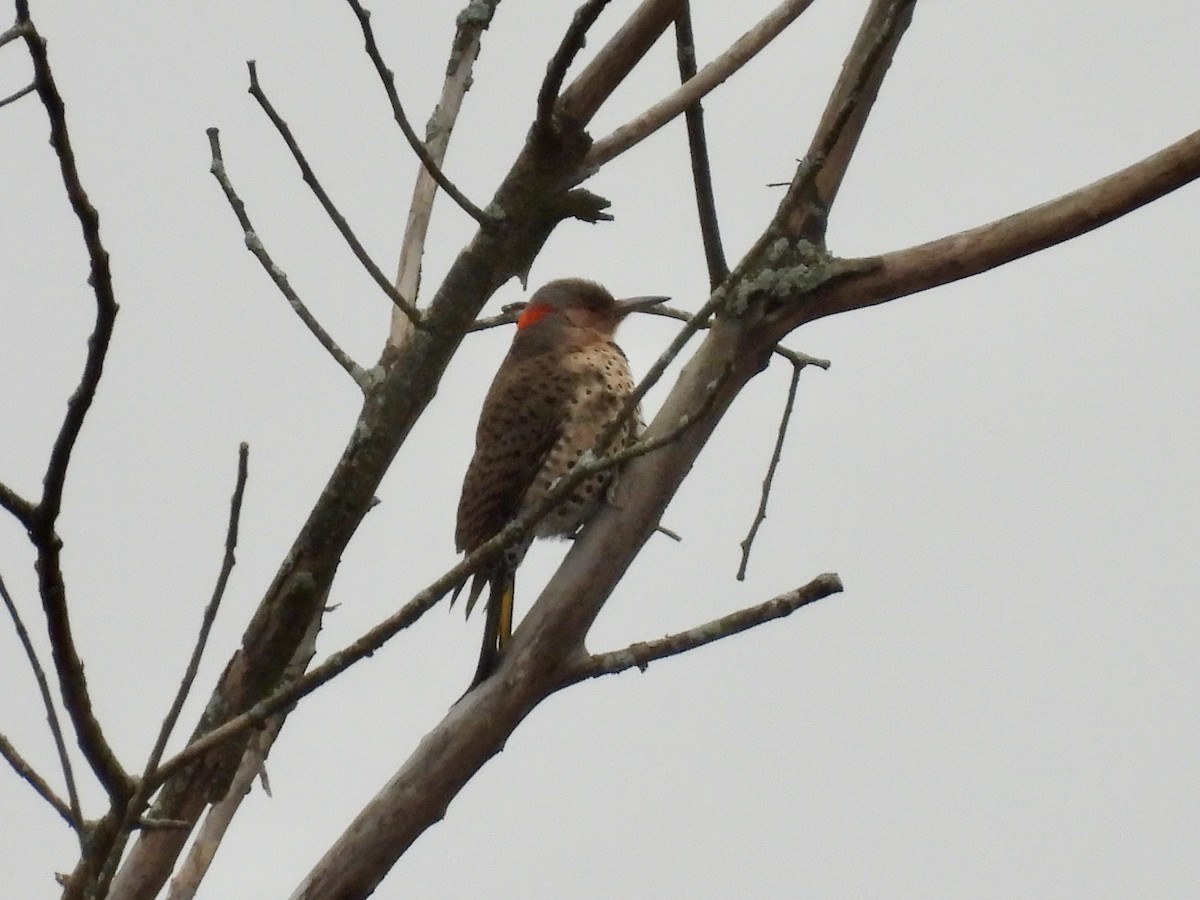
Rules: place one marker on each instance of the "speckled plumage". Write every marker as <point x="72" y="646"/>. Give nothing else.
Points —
<point x="562" y="383"/>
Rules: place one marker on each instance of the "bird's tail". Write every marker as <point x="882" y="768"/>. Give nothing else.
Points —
<point x="497" y="623"/>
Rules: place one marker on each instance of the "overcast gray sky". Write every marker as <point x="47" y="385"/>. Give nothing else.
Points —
<point x="1003" y="471"/>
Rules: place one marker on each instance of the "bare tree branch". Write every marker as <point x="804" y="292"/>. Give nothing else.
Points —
<point x="795" y="357"/>
<point x="41" y="526"/>
<point x="20" y="508"/>
<point x="471" y="23"/>
<point x="804" y="211"/>
<point x="17" y="95"/>
<point x="609" y="67"/>
<point x="688" y="94"/>
<point x="75" y="817"/>
<point x="339" y="221"/>
<point x="643" y="653"/>
<point x="255" y="246"/>
<point x="210" y="614"/>
<point x="19" y="30"/>
<point x="216" y="824"/>
<point x="956" y="256"/>
<point x="35" y="781"/>
<point x="706" y="204"/>
<point x="389" y="84"/>
<point x="776" y="454"/>
<point x="573" y="42"/>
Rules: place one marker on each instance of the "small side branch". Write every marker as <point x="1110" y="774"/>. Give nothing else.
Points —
<point x="644" y="653"/>
<point x="39" y="673"/>
<point x="335" y="216"/>
<point x="35" y="781"/>
<point x="17" y="95"/>
<point x="761" y="515"/>
<point x="706" y="204"/>
<point x="210" y="612"/>
<point x="389" y="84"/>
<point x="255" y="245"/>
<point x="573" y="42"/>
<point x="20" y="508"/>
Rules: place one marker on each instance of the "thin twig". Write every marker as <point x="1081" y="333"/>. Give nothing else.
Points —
<point x="41" y="527"/>
<point x="795" y="357"/>
<point x="255" y="245"/>
<point x="712" y="75"/>
<point x="706" y="204"/>
<point x="389" y="84"/>
<point x="39" y="674"/>
<point x="644" y="653"/>
<point x="210" y="612"/>
<point x="692" y="324"/>
<point x="776" y="454"/>
<point x="339" y="221"/>
<point x="34" y="780"/>
<point x="17" y="95"/>
<point x="471" y="23"/>
<point x="573" y="41"/>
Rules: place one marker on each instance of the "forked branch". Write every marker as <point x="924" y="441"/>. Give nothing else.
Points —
<point x="388" y="78"/>
<point x="255" y="245"/>
<point x="43" y="519"/>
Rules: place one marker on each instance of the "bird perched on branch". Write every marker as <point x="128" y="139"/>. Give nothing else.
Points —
<point x="563" y="382"/>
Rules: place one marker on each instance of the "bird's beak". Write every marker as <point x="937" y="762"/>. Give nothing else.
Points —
<point x="633" y="304"/>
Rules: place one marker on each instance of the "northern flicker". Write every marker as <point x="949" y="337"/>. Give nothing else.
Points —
<point x="562" y="383"/>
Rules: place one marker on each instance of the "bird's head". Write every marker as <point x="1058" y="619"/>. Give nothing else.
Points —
<point x="579" y="303"/>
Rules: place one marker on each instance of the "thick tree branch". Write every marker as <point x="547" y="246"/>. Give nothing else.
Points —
<point x="741" y="52"/>
<point x="339" y="221"/>
<point x="41" y="525"/>
<point x="967" y="253"/>
<point x="706" y="204"/>
<point x="255" y="245"/>
<point x="643" y="653"/>
<point x="804" y="212"/>
<point x="75" y="817"/>
<point x="388" y="77"/>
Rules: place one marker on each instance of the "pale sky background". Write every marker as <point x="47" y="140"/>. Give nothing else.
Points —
<point x="1003" y="703"/>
